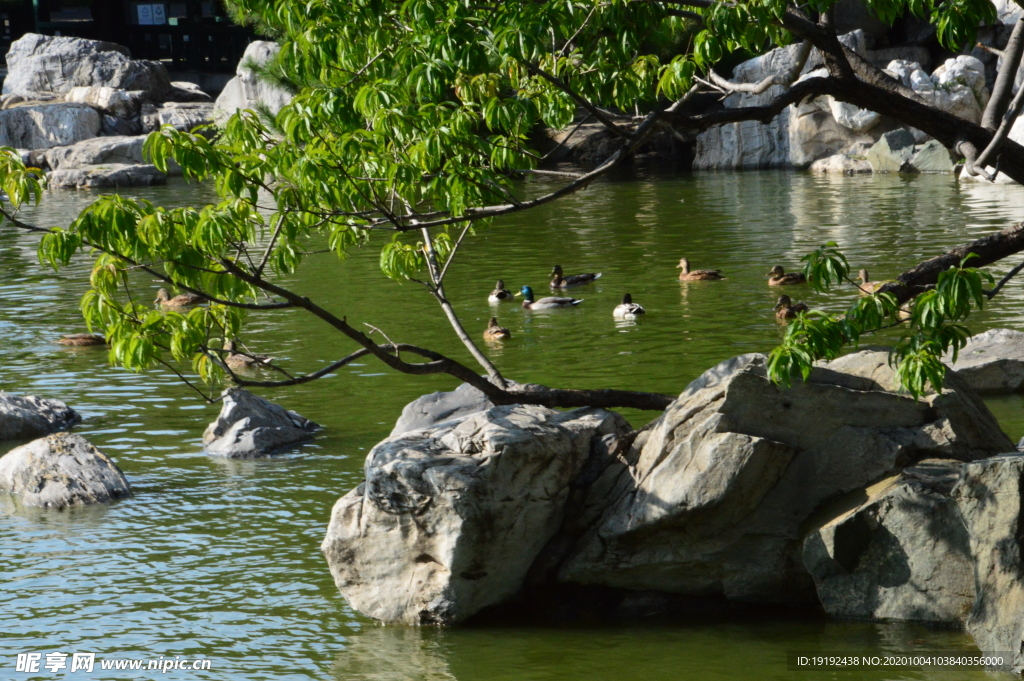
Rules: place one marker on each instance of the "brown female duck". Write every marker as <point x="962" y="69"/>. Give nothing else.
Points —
<point x="493" y="332"/>
<point x="785" y="309"/>
<point x="164" y="300"/>
<point x="779" y="277"/>
<point x="697" y="275"/>
<point x="559" y="280"/>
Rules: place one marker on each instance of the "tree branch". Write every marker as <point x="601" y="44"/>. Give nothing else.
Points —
<point x="1002" y="90"/>
<point x="778" y="79"/>
<point x="585" y="103"/>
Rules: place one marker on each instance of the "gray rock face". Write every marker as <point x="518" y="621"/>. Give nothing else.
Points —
<point x="892" y="153"/>
<point x="111" y="101"/>
<point x="181" y="116"/>
<point x="45" y="126"/>
<point x="723" y="482"/>
<point x="245" y="90"/>
<point x="61" y="470"/>
<point x="122" y="150"/>
<point x="38" y="63"/>
<point x="30" y="416"/>
<point x="992" y="362"/>
<point x="250" y="427"/>
<point x="903" y="554"/>
<point x="435" y="408"/>
<point x="449" y="519"/>
<point x="841" y="164"/>
<point x="184" y="91"/>
<point x="107" y="175"/>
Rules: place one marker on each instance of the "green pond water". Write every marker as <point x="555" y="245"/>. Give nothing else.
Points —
<point x="221" y="559"/>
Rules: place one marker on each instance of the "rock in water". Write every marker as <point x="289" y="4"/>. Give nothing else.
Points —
<point x="61" y="470"/>
<point x="22" y="417"/>
<point x="108" y="175"/>
<point x="249" y="427"/>
<point x="45" y="64"/>
<point x="449" y="519"/>
<point x="723" y="483"/>
<point x="246" y="90"/>
<point x="992" y="362"/>
<point x="48" y="125"/>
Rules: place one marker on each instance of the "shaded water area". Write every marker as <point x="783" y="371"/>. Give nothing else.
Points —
<point x="221" y="559"/>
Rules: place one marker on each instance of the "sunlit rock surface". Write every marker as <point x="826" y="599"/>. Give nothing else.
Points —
<point x="247" y="90"/>
<point x="715" y="496"/>
<point x="992" y="362"/>
<point x="449" y="519"/>
<point x="61" y="470"/>
<point x="249" y="427"/>
<point x="25" y="416"/>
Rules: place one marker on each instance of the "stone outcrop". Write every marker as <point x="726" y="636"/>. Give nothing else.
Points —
<point x="105" y="176"/>
<point x="181" y="116"/>
<point x="246" y="90"/>
<point x="250" y="427"/>
<point x="46" y="64"/>
<point x="712" y="499"/>
<point x="108" y="100"/>
<point x="26" y="416"/>
<point x="61" y="470"/>
<point x="121" y="149"/>
<point x="992" y="362"/>
<point x="46" y="126"/>
<point x="435" y="408"/>
<point x="449" y="519"/>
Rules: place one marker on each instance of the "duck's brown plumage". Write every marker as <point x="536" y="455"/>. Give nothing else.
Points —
<point x="778" y="277"/>
<point x="697" y="275"/>
<point x="237" y="362"/>
<point x="559" y="280"/>
<point x="867" y="286"/>
<point x="82" y="339"/>
<point x="164" y="299"/>
<point x="493" y="332"/>
<point x="786" y="309"/>
<point x="499" y="293"/>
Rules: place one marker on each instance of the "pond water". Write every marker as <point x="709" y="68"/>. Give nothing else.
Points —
<point x="221" y="559"/>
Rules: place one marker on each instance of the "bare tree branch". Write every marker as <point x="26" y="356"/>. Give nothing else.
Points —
<point x="1002" y="89"/>
<point x="582" y="101"/>
<point x="778" y="79"/>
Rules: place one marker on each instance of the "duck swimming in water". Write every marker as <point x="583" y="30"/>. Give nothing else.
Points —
<point x="627" y="309"/>
<point x="82" y="339"/>
<point x="239" y="362"/>
<point x="697" y="275"/>
<point x="493" y="332"/>
<point x="867" y="287"/>
<point x="499" y="293"/>
<point x="778" y="277"/>
<point x="559" y="280"/>
<point x="549" y="303"/>
<point x="164" y="300"/>
<point x="785" y="309"/>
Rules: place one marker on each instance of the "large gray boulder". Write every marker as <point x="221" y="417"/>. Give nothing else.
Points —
<point x="48" y="125"/>
<point x="246" y="90"/>
<point x="250" y="427"/>
<point x="449" y="519"/>
<point x="105" y="176"/>
<point x="992" y="362"/>
<point x="25" y="416"/>
<point x="717" y="492"/>
<point x="61" y="470"/>
<point x="47" y="64"/>
<point x="435" y="408"/>
<point x="110" y="101"/>
<point x="122" y="149"/>
<point x="181" y="116"/>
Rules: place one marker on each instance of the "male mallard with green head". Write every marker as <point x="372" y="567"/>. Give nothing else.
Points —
<point x="164" y="300"/>
<point x="549" y="303"/>
<point x="779" y="277"/>
<point x="785" y="309"/>
<point x="82" y="339"/>
<point x="493" y="332"/>
<point x="499" y="293"/>
<point x="238" y="362"/>
<point x="627" y="309"/>
<point x="559" y="280"/>
<point x="697" y="275"/>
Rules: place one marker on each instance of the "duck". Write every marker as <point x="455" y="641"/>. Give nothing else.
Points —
<point x="559" y="280"/>
<point x="499" y="293"/>
<point x="779" y="277"/>
<point x="627" y="309"/>
<point x="785" y="309"/>
<point x="549" y="303"/>
<point x="164" y="300"/>
<point x="697" y="275"/>
<point x="82" y="339"/>
<point x="867" y="287"/>
<point x="237" y="362"/>
<point x="493" y="332"/>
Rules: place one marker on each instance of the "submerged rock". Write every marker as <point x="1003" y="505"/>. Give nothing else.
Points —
<point x="249" y="427"/>
<point x="724" y="481"/>
<point x="992" y="362"/>
<point x="449" y="519"/>
<point x="61" y="470"/>
<point x="28" y="416"/>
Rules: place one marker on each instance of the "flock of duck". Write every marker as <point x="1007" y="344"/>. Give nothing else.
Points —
<point x="785" y="308"/>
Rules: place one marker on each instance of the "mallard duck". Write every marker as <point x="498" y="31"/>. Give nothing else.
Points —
<point x="867" y="287"/>
<point x="778" y="277"/>
<point x="164" y="300"/>
<point x="238" y="362"/>
<point x="493" y="332"/>
<point x="785" y="309"/>
<point x="697" y="275"/>
<point x="549" y="303"/>
<point x="82" y="339"/>
<point x="627" y="309"/>
<point x="499" y="293"/>
<point x="558" y="280"/>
